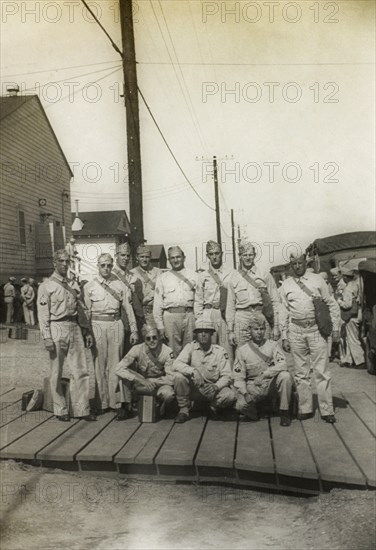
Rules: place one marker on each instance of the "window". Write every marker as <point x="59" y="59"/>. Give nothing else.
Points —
<point x="21" y="226"/>
<point x="57" y="223"/>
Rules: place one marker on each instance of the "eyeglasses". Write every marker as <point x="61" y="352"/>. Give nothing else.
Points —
<point x="106" y="265"/>
<point x="151" y="338"/>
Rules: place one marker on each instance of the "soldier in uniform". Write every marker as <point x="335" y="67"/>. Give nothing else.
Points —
<point x="250" y="289"/>
<point x="147" y="276"/>
<point x="9" y="296"/>
<point x="105" y="297"/>
<point x="27" y="298"/>
<point x="301" y="334"/>
<point x="173" y="301"/>
<point x="211" y="295"/>
<point x="59" y="308"/>
<point x="260" y="371"/>
<point x="203" y="373"/>
<point x="147" y="368"/>
<point x="353" y="354"/>
<point x="128" y="278"/>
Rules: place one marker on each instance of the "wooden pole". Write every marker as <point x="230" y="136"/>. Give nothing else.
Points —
<point x="217" y="212"/>
<point x="233" y="238"/>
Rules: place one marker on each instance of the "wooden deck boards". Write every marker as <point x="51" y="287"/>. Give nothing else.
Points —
<point x="306" y="457"/>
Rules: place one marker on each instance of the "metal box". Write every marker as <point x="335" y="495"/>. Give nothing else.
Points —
<point x="147" y="408"/>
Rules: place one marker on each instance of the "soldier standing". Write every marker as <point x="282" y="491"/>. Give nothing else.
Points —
<point x="300" y="332"/>
<point x="173" y="301"/>
<point x="147" y="276"/>
<point x="105" y="297"/>
<point x="250" y="289"/>
<point x="58" y="311"/>
<point x="9" y="296"/>
<point x="27" y="298"/>
<point x="203" y="373"/>
<point x="211" y="295"/>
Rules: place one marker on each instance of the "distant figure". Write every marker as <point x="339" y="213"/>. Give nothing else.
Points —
<point x="9" y="296"/>
<point x="27" y="299"/>
<point x="34" y="286"/>
<point x="74" y="259"/>
<point x="352" y="352"/>
<point x="147" y="275"/>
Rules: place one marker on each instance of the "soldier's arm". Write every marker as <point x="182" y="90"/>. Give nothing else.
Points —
<point x="122" y="369"/>
<point x="274" y="296"/>
<point x="43" y="307"/>
<point x="240" y="373"/>
<point x="199" y="298"/>
<point x="230" y="307"/>
<point x="225" y="373"/>
<point x="332" y="304"/>
<point x="158" y="304"/>
<point x="126" y="304"/>
<point x="283" y="315"/>
<point x="183" y="362"/>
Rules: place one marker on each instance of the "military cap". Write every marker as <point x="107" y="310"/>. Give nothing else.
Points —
<point x="297" y="256"/>
<point x="23" y="280"/>
<point x="335" y="271"/>
<point x="105" y="256"/>
<point x="125" y="247"/>
<point x="143" y="249"/>
<point x="12" y="279"/>
<point x="173" y="249"/>
<point x="348" y="272"/>
<point x="203" y="324"/>
<point x="212" y="246"/>
<point x="257" y="320"/>
<point x="149" y="327"/>
<point x="245" y="246"/>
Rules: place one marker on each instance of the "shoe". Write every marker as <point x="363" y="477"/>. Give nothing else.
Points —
<point x="181" y="418"/>
<point x="345" y="365"/>
<point x="330" y="419"/>
<point x="213" y="414"/>
<point x="63" y="418"/>
<point x="251" y="412"/>
<point x="89" y="417"/>
<point x="285" y="419"/>
<point x="122" y="414"/>
<point x="361" y="366"/>
<point x="304" y="416"/>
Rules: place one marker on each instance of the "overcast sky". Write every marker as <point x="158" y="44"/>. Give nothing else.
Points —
<point x="281" y="92"/>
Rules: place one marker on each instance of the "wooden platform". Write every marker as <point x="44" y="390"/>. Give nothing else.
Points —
<point x="308" y="457"/>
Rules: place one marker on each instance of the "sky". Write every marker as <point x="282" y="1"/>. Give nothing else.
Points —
<point x="281" y="92"/>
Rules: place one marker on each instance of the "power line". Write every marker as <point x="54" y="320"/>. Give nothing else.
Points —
<point x="58" y="69"/>
<point x="102" y="27"/>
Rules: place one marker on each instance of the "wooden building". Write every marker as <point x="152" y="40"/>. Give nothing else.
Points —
<point x="35" y="189"/>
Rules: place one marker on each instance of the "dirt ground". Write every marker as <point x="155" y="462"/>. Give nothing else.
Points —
<point x="50" y="509"/>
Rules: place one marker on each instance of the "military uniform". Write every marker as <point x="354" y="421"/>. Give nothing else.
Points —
<point x="27" y="296"/>
<point x="354" y="354"/>
<point x="148" y="281"/>
<point x="263" y="374"/>
<point x="244" y="299"/>
<point x="207" y="302"/>
<point x="58" y="320"/>
<point x="309" y="349"/>
<point x="173" y="306"/>
<point x="105" y="313"/>
<point x="131" y="282"/>
<point x="214" y="367"/>
<point x="9" y="296"/>
<point x="141" y="360"/>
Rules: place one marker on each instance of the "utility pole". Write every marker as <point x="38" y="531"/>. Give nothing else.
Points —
<point x="133" y="124"/>
<point x="233" y="238"/>
<point x="217" y="212"/>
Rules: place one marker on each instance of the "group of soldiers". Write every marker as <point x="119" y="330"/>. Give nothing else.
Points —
<point x="26" y="294"/>
<point x="220" y="337"/>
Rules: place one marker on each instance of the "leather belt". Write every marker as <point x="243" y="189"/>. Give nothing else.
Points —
<point x="304" y="323"/>
<point x="106" y="317"/>
<point x="179" y="309"/>
<point x="70" y="318"/>
<point x="210" y="306"/>
<point x="256" y="307"/>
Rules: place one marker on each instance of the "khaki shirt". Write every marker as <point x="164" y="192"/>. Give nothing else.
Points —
<point x="241" y="294"/>
<point x="28" y="294"/>
<point x="54" y="302"/>
<point x="9" y="290"/>
<point x="129" y="277"/>
<point x="148" y="280"/>
<point x="171" y="291"/>
<point x="208" y="291"/>
<point x="99" y="301"/>
<point x="213" y="364"/>
<point x="351" y="292"/>
<point x="139" y="360"/>
<point x="248" y="365"/>
<point x="296" y="304"/>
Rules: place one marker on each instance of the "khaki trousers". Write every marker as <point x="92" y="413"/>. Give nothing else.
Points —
<point x="280" y="385"/>
<point x="69" y="351"/>
<point x="221" y="332"/>
<point x="186" y="391"/>
<point x="10" y="309"/>
<point x="354" y="351"/>
<point x="109" y="342"/>
<point x="310" y="354"/>
<point x="178" y="329"/>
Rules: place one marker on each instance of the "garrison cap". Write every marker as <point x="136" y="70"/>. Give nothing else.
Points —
<point x="348" y="272"/>
<point x="335" y="271"/>
<point x="257" y="320"/>
<point x="23" y="280"/>
<point x="125" y="247"/>
<point x="203" y="324"/>
<point x="173" y="249"/>
<point x="211" y="246"/>
<point x="297" y="256"/>
<point x="12" y="279"/>
<point x="149" y="327"/>
<point x="245" y="246"/>
<point x="105" y="256"/>
<point x="143" y="249"/>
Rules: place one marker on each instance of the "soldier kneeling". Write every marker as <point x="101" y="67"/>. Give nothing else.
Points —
<point x="260" y="371"/>
<point x="146" y="368"/>
<point x="203" y="373"/>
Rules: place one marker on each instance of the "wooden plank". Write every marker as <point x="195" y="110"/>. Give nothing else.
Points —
<point x="146" y="441"/>
<point x="109" y="442"/>
<point x="21" y="426"/>
<point x="180" y="447"/>
<point x="217" y="447"/>
<point x="27" y="447"/>
<point x="334" y="463"/>
<point x="6" y="390"/>
<point x="12" y="397"/>
<point x="364" y="408"/>
<point x="10" y="413"/>
<point x="70" y="443"/>
<point x="359" y="441"/>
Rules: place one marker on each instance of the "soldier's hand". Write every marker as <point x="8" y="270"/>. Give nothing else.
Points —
<point x="89" y="341"/>
<point x="134" y="338"/>
<point x="232" y="338"/>
<point x="49" y="344"/>
<point x="148" y="384"/>
<point x="247" y="398"/>
<point x="197" y="377"/>
<point x="286" y="346"/>
<point x="162" y="334"/>
<point x="336" y="336"/>
<point x="209" y="390"/>
<point x="276" y="333"/>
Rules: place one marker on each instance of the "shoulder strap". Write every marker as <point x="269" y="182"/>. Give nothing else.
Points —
<point x="304" y="288"/>
<point x="155" y="360"/>
<point x="65" y="286"/>
<point x="215" y="276"/>
<point x="249" y="279"/>
<point x="123" y="279"/>
<point x="258" y="352"/>
<point x="145" y="277"/>
<point x="182" y="278"/>
<point x="108" y="289"/>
